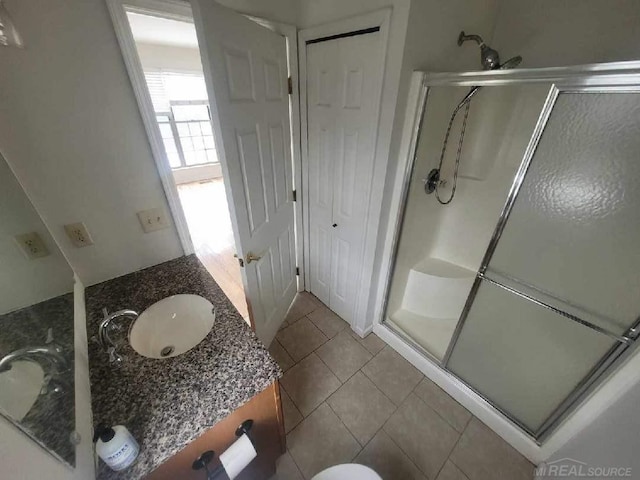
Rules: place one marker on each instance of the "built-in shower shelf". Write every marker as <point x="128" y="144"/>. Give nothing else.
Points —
<point x="432" y="334"/>
<point x="433" y="300"/>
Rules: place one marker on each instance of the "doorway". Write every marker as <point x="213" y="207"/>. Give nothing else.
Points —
<point x="248" y="68"/>
<point x="170" y="59"/>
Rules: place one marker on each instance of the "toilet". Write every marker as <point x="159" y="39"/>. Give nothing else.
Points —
<point x="347" y="471"/>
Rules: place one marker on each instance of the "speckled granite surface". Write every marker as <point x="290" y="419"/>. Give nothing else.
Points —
<point x="167" y="403"/>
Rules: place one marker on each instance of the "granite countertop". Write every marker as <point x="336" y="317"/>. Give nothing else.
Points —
<point x="167" y="403"/>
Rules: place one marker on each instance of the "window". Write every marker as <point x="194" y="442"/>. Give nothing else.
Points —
<point x="182" y="112"/>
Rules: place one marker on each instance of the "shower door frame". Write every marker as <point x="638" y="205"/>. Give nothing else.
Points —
<point x="600" y="78"/>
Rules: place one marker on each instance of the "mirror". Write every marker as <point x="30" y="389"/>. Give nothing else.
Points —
<point x="36" y="325"/>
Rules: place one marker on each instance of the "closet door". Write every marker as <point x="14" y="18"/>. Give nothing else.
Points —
<point x="344" y="84"/>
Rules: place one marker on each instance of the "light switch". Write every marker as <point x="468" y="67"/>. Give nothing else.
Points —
<point x="78" y="234"/>
<point x="153" y="219"/>
<point x="32" y="245"/>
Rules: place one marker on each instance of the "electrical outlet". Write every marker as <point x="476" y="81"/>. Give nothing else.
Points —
<point x="153" y="219"/>
<point x="32" y="245"/>
<point x="78" y="234"/>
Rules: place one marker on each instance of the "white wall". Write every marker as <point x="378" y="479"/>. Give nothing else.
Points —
<point x="71" y="130"/>
<point x="21" y="458"/>
<point x="568" y="32"/>
<point x="24" y="281"/>
<point x="611" y="440"/>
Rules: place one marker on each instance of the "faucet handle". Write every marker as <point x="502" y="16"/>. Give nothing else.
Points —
<point x="114" y="356"/>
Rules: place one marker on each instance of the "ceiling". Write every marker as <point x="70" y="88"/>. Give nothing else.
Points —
<point x="162" y="31"/>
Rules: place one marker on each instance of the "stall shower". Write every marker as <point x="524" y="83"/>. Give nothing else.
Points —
<point x="527" y="281"/>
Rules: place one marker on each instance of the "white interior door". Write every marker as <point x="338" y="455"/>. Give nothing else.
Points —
<point x="343" y="89"/>
<point x="245" y="68"/>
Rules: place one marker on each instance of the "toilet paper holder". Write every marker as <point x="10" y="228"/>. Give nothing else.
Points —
<point x="203" y="461"/>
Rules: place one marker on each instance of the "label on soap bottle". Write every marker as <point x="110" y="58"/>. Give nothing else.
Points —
<point x="124" y="456"/>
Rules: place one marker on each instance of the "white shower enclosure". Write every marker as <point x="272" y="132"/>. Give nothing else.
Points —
<point x="525" y="287"/>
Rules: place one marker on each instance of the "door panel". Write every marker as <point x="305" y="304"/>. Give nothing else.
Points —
<point x="343" y="89"/>
<point x="246" y="72"/>
<point x="527" y="361"/>
<point x="252" y="178"/>
<point x="322" y="95"/>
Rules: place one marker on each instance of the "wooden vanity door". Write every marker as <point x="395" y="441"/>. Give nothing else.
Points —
<point x="267" y="435"/>
<point x="245" y="68"/>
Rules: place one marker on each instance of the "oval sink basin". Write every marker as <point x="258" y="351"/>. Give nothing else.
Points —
<point x="172" y="326"/>
<point x="20" y="387"/>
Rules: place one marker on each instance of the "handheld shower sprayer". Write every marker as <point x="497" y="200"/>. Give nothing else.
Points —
<point x="490" y="60"/>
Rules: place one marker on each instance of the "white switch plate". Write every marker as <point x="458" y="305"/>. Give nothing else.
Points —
<point x="78" y="234"/>
<point x="32" y="245"/>
<point x="153" y="219"/>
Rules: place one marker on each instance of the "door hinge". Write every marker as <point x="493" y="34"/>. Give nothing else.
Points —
<point x="295" y="196"/>
<point x="298" y="271"/>
<point x="290" y="85"/>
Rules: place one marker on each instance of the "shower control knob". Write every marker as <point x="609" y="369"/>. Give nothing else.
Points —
<point x="334" y="225"/>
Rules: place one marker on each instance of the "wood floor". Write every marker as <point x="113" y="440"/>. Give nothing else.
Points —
<point x="207" y="212"/>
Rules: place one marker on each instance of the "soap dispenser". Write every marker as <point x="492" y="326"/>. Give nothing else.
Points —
<point x="116" y="446"/>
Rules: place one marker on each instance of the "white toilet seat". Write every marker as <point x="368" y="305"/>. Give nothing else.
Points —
<point x="347" y="471"/>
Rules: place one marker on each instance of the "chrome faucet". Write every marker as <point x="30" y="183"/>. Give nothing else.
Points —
<point x="51" y="353"/>
<point x="103" y="332"/>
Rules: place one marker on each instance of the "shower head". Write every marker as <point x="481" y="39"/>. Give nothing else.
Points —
<point x="489" y="58"/>
<point x="513" y="62"/>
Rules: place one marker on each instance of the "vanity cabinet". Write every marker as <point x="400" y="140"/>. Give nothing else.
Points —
<point x="267" y="434"/>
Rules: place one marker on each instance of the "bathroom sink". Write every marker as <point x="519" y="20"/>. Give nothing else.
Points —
<point x="172" y="326"/>
<point x="20" y="387"/>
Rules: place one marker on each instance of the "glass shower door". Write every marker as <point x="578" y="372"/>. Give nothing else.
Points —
<point x="557" y="296"/>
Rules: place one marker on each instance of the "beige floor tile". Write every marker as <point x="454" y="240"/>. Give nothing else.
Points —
<point x="301" y="338"/>
<point x="422" y="434"/>
<point x="343" y="355"/>
<point x="371" y="342"/>
<point x="328" y="322"/>
<point x="292" y="415"/>
<point x="303" y="304"/>
<point x="309" y="383"/>
<point x="321" y="441"/>
<point x="455" y="414"/>
<point x="361" y="407"/>
<point x="280" y="355"/>
<point x="392" y="374"/>
<point x="482" y="455"/>
<point x="286" y="469"/>
<point x="451" y="472"/>
<point x="385" y="457"/>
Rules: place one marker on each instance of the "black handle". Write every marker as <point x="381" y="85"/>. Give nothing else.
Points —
<point x="334" y="225"/>
<point x="203" y="460"/>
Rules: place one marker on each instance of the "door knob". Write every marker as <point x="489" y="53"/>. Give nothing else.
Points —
<point x="334" y="225"/>
<point x="251" y="258"/>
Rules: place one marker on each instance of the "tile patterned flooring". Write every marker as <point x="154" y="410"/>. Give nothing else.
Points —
<point x="348" y="399"/>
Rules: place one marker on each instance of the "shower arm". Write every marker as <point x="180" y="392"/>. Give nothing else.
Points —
<point x="463" y="38"/>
